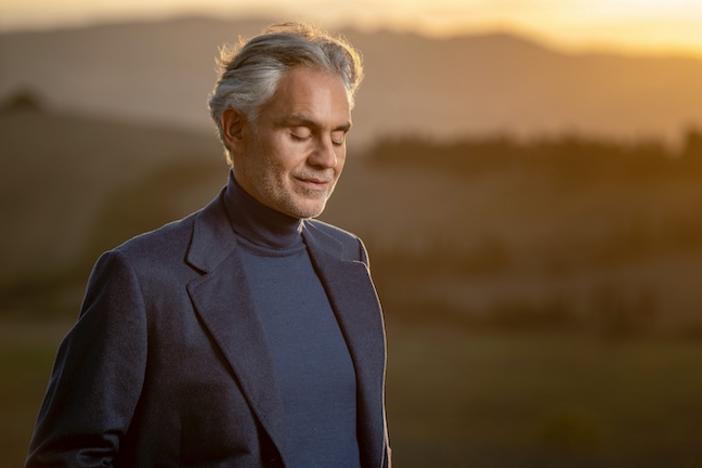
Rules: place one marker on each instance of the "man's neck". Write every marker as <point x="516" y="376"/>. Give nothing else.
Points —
<point x="257" y="223"/>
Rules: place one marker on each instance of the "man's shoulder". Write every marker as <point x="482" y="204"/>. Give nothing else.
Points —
<point x="169" y="239"/>
<point x="154" y="260"/>
<point x="160" y="253"/>
<point x="352" y="245"/>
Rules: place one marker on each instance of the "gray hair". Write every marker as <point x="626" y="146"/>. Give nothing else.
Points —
<point x="249" y="72"/>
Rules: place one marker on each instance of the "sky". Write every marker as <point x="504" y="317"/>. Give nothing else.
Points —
<point x="622" y="25"/>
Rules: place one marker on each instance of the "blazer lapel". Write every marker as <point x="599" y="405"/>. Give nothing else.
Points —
<point x="222" y="300"/>
<point x="355" y="302"/>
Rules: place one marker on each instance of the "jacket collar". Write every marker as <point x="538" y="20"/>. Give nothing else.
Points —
<point x="213" y="240"/>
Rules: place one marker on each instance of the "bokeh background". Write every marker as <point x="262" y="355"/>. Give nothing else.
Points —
<point x="527" y="176"/>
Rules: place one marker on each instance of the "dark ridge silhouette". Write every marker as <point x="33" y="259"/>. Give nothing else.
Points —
<point x="577" y="156"/>
<point x="470" y="83"/>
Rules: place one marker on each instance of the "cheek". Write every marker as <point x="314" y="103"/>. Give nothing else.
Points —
<point x="270" y="157"/>
<point x="341" y="159"/>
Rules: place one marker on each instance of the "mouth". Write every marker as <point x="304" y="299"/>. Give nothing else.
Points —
<point x="313" y="182"/>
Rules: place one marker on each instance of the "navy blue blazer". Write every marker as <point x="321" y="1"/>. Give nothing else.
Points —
<point x="167" y="365"/>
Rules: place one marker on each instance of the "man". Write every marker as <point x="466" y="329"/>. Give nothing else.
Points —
<point x="246" y="334"/>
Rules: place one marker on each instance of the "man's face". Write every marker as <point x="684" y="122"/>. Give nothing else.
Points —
<point x="294" y="152"/>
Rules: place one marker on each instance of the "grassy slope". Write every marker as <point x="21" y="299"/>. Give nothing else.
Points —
<point x="470" y="399"/>
<point x="458" y="399"/>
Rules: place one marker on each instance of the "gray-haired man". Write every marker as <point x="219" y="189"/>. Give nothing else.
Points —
<point x="246" y="334"/>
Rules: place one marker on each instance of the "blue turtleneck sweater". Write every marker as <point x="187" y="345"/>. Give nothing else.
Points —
<point x="311" y="362"/>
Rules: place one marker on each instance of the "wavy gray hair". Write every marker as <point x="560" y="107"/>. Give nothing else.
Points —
<point x="249" y="72"/>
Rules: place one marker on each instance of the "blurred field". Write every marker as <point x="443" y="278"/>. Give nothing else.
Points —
<point x="542" y="400"/>
<point x="463" y="398"/>
<point x="27" y="350"/>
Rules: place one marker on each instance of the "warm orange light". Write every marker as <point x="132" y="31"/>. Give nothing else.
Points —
<point x="636" y="25"/>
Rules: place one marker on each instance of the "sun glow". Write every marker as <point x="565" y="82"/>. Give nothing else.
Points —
<point x="625" y="25"/>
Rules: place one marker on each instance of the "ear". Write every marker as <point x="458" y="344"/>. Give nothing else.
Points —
<point x="233" y="123"/>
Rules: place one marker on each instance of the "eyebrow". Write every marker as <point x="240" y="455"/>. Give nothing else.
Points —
<point x="305" y="121"/>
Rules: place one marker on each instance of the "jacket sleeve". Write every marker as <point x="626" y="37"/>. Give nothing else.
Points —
<point x="98" y="373"/>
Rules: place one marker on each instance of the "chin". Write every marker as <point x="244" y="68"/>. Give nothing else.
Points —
<point x="301" y="206"/>
<point x="306" y="210"/>
<point x="308" y="213"/>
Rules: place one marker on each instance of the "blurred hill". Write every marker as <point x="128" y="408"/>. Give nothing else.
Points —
<point x="163" y="71"/>
<point x="70" y="187"/>
<point x="563" y="232"/>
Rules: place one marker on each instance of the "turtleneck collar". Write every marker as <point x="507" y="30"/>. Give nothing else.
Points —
<point x="257" y="223"/>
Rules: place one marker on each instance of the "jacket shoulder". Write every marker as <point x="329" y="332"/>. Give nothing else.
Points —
<point x="334" y="231"/>
<point x="160" y="252"/>
<point x="352" y="245"/>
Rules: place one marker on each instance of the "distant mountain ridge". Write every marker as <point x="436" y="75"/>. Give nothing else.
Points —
<point x="475" y="84"/>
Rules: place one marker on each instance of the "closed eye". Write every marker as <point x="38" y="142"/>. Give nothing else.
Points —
<point x="300" y="133"/>
<point x="338" y="138"/>
<point x="296" y="137"/>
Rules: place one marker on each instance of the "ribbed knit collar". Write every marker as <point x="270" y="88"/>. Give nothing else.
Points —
<point x="259" y="224"/>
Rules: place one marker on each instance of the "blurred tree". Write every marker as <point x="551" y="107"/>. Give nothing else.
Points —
<point x="23" y="99"/>
<point x="693" y="143"/>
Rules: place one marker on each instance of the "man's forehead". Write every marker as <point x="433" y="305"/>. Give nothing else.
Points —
<point x="310" y="96"/>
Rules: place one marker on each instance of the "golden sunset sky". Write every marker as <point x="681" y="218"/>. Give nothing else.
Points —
<point x="620" y="25"/>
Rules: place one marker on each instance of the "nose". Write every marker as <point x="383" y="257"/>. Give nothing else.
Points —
<point x="324" y="155"/>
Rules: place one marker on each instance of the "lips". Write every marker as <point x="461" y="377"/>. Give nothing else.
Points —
<point x="313" y="180"/>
